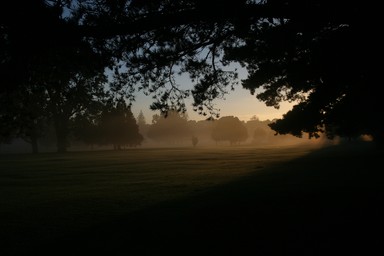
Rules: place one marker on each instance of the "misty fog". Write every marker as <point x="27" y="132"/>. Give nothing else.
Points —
<point x="176" y="130"/>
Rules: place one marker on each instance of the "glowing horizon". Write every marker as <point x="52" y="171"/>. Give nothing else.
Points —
<point x="238" y="103"/>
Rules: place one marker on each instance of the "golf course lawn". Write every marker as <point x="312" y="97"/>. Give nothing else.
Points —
<point x="190" y="201"/>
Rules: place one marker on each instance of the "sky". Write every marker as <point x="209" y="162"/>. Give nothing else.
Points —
<point x="240" y="103"/>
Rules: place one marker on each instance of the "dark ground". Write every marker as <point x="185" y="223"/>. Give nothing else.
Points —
<point x="328" y="202"/>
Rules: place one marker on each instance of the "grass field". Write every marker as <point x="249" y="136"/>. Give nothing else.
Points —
<point x="185" y="201"/>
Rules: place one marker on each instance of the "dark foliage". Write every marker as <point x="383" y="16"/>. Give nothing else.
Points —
<point x="171" y="128"/>
<point x="47" y="72"/>
<point x="229" y="128"/>
<point x="114" y="124"/>
<point x="320" y="54"/>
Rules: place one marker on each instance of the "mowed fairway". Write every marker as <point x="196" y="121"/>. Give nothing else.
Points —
<point x="185" y="201"/>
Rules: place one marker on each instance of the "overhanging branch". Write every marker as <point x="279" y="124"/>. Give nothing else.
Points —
<point x="223" y="13"/>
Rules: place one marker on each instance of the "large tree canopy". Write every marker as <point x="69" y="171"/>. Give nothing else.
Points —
<point x="320" y="54"/>
<point x="48" y="73"/>
<point x="172" y="129"/>
<point x="229" y="128"/>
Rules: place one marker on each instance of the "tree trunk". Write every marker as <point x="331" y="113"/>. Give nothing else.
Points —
<point x="35" y="147"/>
<point x="61" y="143"/>
<point x="378" y="138"/>
<point x="32" y="139"/>
<point x="61" y="129"/>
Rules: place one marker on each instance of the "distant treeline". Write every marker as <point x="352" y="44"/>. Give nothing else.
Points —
<point x="176" y="129"/>
<point x="116" y="128"/>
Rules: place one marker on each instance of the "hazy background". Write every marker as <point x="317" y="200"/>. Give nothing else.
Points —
<point x="240" y="102"/>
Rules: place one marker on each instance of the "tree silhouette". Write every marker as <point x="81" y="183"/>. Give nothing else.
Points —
<point x="24" y="115"/>
<point x="141" y="119"/>
<point x="117" y="126"/>
<point x="142" y="123"/>
<point x="171" y="128"/>
<point x="202" y="130"/>
<point x="85" y="125"/>
<point x="60" y="75"/>
<point x="229" y="128"/>
<point x="321" y="54"/>
<point x="311" y="52"/>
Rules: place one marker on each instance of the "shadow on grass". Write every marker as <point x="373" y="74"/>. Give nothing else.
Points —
<point x="328" y="202"/>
